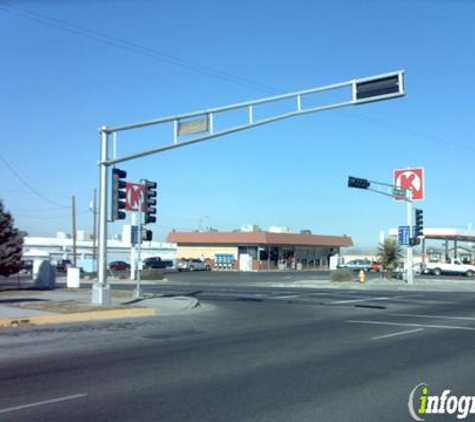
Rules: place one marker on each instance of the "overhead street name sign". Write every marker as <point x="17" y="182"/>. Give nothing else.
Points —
<point x="190" y="127"/>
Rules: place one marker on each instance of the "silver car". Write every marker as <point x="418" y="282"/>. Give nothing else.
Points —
<point x="357" y="264"/>
<point x="193" y="265"/>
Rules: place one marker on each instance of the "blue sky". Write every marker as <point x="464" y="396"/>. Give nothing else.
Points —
<point x="70" y="67"/>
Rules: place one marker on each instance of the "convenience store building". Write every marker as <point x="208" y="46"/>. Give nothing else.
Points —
<point x="260" y="250"/>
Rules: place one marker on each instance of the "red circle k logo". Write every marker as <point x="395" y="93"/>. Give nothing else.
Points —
<point x="412" y="179"/>
<point x="134" y="196"/>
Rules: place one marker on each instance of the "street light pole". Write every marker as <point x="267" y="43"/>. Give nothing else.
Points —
<point x="101" y="290"/>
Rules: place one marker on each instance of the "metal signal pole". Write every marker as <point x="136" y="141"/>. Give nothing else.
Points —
<point x="100" y="289"/>
<point x="409" y="250"/>
<point x="199" y="126"/>
<point x="73" y="206"/>
<point x="94" y="230"/>
<point x="394" y="192"/>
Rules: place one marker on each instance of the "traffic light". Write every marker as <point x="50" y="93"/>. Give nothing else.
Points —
<point x="150" y="202"/>
<point x="356" y="182"/>
<point x="419" y="227"/>
<point x="147" y="235"/>
<point x="413" y="241"/>
<point x="118" y="194"/>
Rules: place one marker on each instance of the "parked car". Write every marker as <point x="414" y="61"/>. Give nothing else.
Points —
<point x="26" y="266"/>
<point x="376" y="267"/>
<point x="417" y="268"/>
<point x="357" y="264"/>
<point x="455" y="267"/>
<point x="119" y="266"/>
<point x="62" y="265"/>
<point x="157" y="263"/>
<point x="193" y="265"/>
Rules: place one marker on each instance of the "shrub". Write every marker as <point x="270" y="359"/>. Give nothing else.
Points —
<point x="342" y="275"/>
<point x="152" y="274"/>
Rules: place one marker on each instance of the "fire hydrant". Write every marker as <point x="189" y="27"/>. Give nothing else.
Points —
<point x="361" y="276"/>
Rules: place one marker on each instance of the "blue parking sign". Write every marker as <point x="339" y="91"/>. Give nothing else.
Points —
<point x="134" y="235"/>
<point x="403" y="235"/>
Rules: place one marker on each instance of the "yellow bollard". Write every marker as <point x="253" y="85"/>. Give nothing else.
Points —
<point x="361" y="276"/>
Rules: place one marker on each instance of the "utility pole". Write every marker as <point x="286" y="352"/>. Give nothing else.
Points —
<point x="74" y="230"/>
<point x="94" y="230"/>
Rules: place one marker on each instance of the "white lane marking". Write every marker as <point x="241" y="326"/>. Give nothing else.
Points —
<point x="366" y="299"/>
<point x="336" y="302"/>
<point x="42" y="403"/>
<point x="397" y="324"/>
<point x="400" y="333"/>
<point x="287" y="297"/>
<point x="435" y="316"/>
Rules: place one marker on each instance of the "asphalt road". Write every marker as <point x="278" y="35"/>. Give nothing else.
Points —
<point x="257" y="355"/>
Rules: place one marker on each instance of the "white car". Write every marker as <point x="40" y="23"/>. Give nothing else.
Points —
<point x="357" y="264"/>
<point x="456" y="267"/>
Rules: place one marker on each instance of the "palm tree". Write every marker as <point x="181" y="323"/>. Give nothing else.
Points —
<point x="390" y="254"/>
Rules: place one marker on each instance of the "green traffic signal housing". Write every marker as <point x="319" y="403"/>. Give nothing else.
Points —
<point x="118" y="194"/>
<point x="359" y="183"/>
<point x="419" y="226"/>
<point x="147" y="235"/>
<point x="150" y="202"/>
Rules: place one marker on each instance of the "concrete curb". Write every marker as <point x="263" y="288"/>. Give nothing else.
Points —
<point x="77" y="317"/>
<point x="422" y="285"/>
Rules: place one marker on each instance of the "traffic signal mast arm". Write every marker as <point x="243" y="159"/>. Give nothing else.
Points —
<point x="185" y="127"/>
<point x="381" y="188"/>
<point x="200" y="126"/>
<point x="402" y="194"/>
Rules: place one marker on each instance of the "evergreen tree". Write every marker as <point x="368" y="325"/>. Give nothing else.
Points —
<point x="11" y="244"/>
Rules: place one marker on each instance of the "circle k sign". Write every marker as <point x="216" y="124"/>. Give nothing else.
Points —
<point x="134" y="195"/>
<point x="412" y="179"/>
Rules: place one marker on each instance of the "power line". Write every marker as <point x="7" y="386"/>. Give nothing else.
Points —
<point x="178" y="61"/>
<point x="133" y="47"/>
<point x="28" y="186"/>
<point x="43" y="217"/>
<point x="402" y="129"/>
<point x="43" y="210"/>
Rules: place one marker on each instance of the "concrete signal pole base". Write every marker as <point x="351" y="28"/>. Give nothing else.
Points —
<point x="138" y="293"/>
<point x="101" y="294"/>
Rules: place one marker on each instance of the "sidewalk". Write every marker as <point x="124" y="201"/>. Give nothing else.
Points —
<point x="38" y="307"/>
